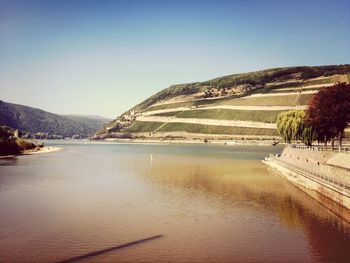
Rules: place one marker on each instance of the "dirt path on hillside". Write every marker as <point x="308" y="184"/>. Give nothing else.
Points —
<point x="281" y="94"/>
<point x="231" y="123"/>
<point x="227" y="107"/>
<point x="305" y="87"/>
<point x="174" y="100"/>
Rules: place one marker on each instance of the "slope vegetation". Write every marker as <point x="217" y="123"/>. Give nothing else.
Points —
<point x="238" y="104"/>
<point x="36" y="121"/>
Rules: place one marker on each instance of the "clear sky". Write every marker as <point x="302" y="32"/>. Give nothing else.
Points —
<point x="102" y="57"/>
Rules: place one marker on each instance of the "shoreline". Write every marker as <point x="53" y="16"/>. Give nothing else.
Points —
<point x="42" y="150"/>
<point x="312" y="172"/>
<point x="45" y="149"/>
<point x="184" y="141"/>
<point x="334" y="201"/>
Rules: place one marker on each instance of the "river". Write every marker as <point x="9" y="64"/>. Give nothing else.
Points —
<point x="160" y="203"/>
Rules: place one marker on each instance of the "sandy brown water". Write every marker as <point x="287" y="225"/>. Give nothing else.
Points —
<point x="157" y="203"/>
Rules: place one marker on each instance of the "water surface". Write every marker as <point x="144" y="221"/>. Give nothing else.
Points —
<point x="157" y="203"/>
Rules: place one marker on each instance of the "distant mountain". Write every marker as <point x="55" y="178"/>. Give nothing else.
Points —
<point x="77" y="116"/>
<point x="37" y="121"/>
<point x="244" y="105"/>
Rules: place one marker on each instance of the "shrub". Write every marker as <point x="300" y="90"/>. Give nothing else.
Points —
<point x="25" y="144"/>
<point x="8" y="147"/>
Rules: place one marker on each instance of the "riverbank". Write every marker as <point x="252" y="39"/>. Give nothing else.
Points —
<point x="320" y="174"/>
<point x="33" y="151"/>
<point x="193" y="141"/>
<point x="42" y="150"/>
<point x="189" y="138"/>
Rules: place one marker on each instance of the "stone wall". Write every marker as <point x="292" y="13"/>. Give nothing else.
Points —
<point x="333" y="198"/>
<point x="332" y="164"/>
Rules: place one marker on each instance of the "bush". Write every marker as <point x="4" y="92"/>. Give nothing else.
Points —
<point x="9" y="147"/>
<point x="25" y="144"/>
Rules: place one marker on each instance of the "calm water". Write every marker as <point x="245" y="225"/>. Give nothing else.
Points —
<point x="154" y="203"/>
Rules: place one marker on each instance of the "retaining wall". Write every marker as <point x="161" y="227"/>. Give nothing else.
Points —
<point x="294" y="165"/>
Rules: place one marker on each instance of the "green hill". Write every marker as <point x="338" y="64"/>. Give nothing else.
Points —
<point x="240" y="104"/>
<point x="45" y="124"/>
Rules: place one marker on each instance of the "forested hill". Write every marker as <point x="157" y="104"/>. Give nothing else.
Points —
<point x="37" y="121"/>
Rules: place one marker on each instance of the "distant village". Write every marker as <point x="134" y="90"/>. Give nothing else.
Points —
<point x="124" y="121"/>
<point x="45" y="136"/>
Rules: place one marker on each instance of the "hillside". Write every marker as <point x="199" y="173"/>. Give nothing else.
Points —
<point x="239" y="105"/>
<point x="44" y="124"/>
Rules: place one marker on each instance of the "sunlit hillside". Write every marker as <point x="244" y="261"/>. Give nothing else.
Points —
<point x="244" y="105"/>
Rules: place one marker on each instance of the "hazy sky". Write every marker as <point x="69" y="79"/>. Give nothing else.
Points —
<point x="102" y="57"/>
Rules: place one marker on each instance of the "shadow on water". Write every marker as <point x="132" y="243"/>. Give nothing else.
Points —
<point x="8" y="161"/>
<point x="107" y="250"/>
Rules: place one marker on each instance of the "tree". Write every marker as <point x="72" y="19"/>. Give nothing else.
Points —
<point x="284" y="125"/>
<point x="328" y="112"/>
<point x="291" y="126"/>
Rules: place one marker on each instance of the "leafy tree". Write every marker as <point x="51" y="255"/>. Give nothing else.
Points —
<point x="308" y="135"/>
<point x="7" y="142"/>
<point x="328" y="112"/>
<point x="291" y="126"/>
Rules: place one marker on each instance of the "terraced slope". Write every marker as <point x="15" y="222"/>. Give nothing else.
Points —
<point x="241" y="104"/>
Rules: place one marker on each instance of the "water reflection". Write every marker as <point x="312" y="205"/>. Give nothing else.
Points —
<point x="239" y="183"/>
<point x="246" y="184"/>
<point x="8" y="161"/>
<point x="328" y="237"/>
<point x="212" y="204"/>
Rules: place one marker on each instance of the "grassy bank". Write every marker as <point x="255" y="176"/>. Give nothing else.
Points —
<point x="226" y="114"/>
<point x="283" y="100"/>
<point x="143" y="126"/>
<point x="211" y="129"/>
<point x="167" y="114"/>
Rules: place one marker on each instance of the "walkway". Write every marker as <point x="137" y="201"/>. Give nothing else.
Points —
<point x="313" y="175"/>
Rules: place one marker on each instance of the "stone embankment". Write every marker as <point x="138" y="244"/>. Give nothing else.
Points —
<point x="320" y="173"/>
